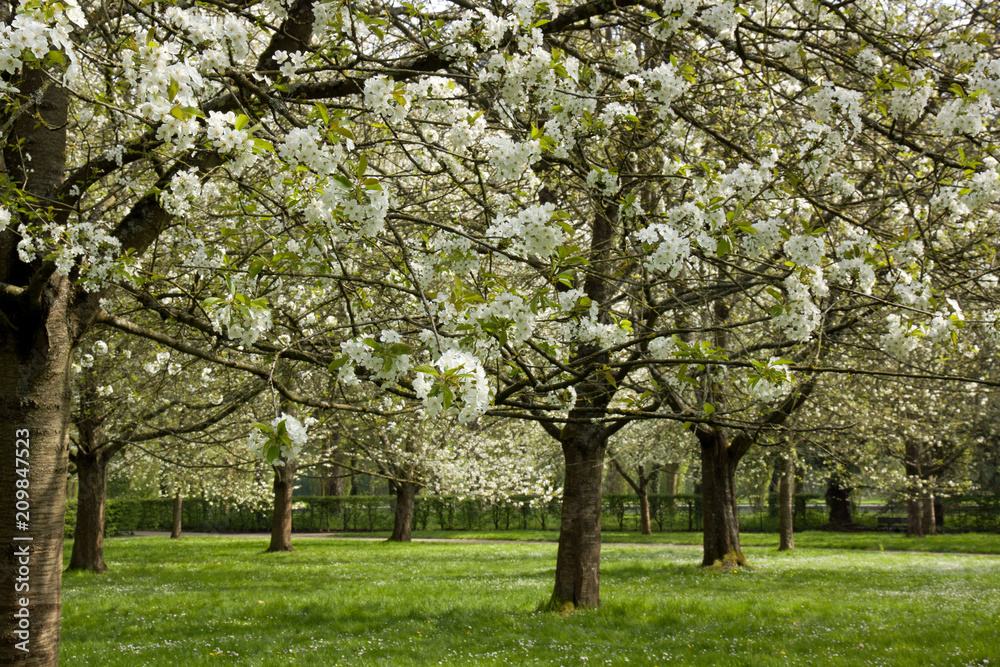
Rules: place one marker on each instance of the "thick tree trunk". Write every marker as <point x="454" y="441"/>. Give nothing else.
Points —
<point x="178" y="517"/>
<point x="838" y="501"/>
<point x="34" y="416"/>
<point x="579" y="555"/>
<point x="37" y="334"/>
<point x="88" y="537"/>
<point x="281" y="520"/>
<point x="786" y="507"/>
<point x="928" y="524"/>
<point x="721" y="526"/>
<point x="402" y="525"/>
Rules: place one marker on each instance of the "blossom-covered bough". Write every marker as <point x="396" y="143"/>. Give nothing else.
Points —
<point x="129" y="411"/>
<point x="578" y="213"/>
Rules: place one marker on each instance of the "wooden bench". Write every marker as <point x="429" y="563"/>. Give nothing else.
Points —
<point x="892" y="523"/>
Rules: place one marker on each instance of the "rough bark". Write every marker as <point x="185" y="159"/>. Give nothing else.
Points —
<point x="579" y="555"/>
<point x="281" y="519"/>
<point x="786" y="507"/>
<point x="402" y="526"/>
<point x="88" y="536"/>
<point x="177" y="519"/>
<point x="838" y="501"/>
<point x="34" y="417"/>
<point x="721" y="526"/>
<point x="39" y="327"/>
<point x="928" y="524"/>
<point x="645" y="527"/>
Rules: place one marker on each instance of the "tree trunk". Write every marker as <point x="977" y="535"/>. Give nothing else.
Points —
<point x="402" y="526"/>
<point x="579" y="555"/>
<point x="721" y="526"/>
<point x="88" y="537"/>
<point x="928" y="524"/>
<point x="838" y="501"/>
<point x="34" y="417"/>
<point x="178" y="517"/>
<point x="39" y="328"/>
<point x="914" y="524"/>
<point x="645" y="527"/>
<point x="671" y="479"/>
<point x="786" y="508"/>
<point x="911" y="463"/>
<point x="281" y="520"/>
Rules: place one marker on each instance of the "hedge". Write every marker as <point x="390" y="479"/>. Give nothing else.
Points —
<point x="375" y="513"/>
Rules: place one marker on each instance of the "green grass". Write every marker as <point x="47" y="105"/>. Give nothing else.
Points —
<point x="205" y="600"/>
<point x="975" y="543"/>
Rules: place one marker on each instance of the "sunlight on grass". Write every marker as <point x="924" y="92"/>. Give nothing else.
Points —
<point x="221" y="601"/>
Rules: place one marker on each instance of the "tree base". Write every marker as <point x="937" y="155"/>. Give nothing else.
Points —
<point x="557" y="606"/>
<point x="731" y="562"/>
<point x="99" y="568"/>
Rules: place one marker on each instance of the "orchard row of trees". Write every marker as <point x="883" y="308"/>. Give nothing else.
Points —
<point x="579" y="218"/>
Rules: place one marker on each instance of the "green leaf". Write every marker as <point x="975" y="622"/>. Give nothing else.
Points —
<point x="263" y="144"/>
<point x="241" y="121"/>
<point x="709" y="409"/>
<point x="343" y="182"/>
<point x="426" y="368"/>
<point x="255" y="267"/>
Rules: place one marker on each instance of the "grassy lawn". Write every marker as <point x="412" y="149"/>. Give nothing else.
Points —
<point x="977" y="543"/>
<point x="206" y="600"/>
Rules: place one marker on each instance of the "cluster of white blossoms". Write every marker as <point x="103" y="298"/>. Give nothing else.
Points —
<point x="471" y="389"/>
<point x="666" y="84"/>
<point x="903" y="335"/>
<point x="224" y="40"/>
<point x="532" y="228"/>
<point x="505" y="307"/>
<point x="965" y="115"/>
<point x="771" y="381"/>
<point x="909" y="102"/>
<point x="38" y="28"/>
<point x="663" y="347"/>
<point x="721" y="18"/>
<point x="604" y="181"/>
<point x="158" y="364"/>
<point x="671" y="249"/>
<point x="901" y="338"/>
<point x="801" y="316"/>
<point x="509" y="158"/>
<point x="374" y="357"/>
<point x="852" y="260"/>
<point x="912" y="292"/>
<point x="238" y="316"/>
<point x="305" y="146"/>
<point x="84" y="246"/>
<point x="805" y="250"/>
<point x="831" y="100"/>
<point x="380" y="97"/>
<point x="261" y="441"/>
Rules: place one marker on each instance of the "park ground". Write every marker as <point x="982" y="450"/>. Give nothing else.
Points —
<point x="856" y="599"/>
